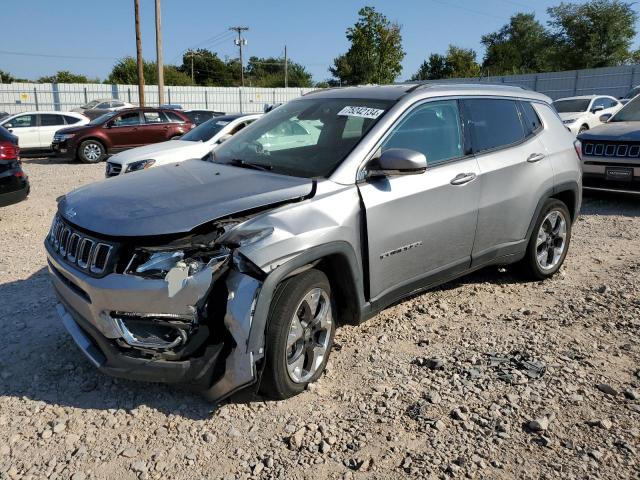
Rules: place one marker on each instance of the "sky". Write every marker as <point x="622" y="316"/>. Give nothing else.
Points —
<point x="41" y="37"/>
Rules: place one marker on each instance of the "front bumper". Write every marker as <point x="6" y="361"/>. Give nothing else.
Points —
<point x="221" y="365"/>
<point x="14" y="190"/>
<point x="594" y="175"/>
<point x="63" y="149"/>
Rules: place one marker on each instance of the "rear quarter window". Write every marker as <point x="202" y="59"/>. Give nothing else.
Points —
<point x="530" y="118"/>
<point x="493" y="123"/>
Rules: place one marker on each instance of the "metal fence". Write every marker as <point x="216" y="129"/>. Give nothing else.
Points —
<point x="614" y="81"/>
<point x="21" y="97"/>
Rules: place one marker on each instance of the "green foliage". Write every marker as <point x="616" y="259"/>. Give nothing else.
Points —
<point x="595" y="34"/>
<point x="125" y="71"/>
<point x="269" y="72"/>
<point x="208" y="68"/>
<point x="521" y="46"/>
<point x="458" y="62"/>
<point x="375" y="54"/>
<point x="8" y="78"/>
<point x="65" y="76"/>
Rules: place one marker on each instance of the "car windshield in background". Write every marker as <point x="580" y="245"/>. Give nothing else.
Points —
<point x="91" y="104"/>
<point x="629" y="113"/>
<point x="632" y="93"/>
<point x="303" y="138"/>
<point x="567" y="106"/>
<point x="205" y="131"/>
<point x="102" y="118"/>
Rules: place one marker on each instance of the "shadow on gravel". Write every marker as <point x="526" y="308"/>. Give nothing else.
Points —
<point x="40" y="159"/>
<point x="39" y="361"/>
<point x="610" y="203"/>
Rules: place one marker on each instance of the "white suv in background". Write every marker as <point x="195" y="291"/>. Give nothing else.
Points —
<point x="582" y="113"/>
<point x="35" y="130"/>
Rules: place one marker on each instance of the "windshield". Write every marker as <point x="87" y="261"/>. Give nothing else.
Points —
<point x="205" y="131"/>
<point x="304" y="138"/>
<point x="632" y="93"/>
<point x="567" y="106"/>
<point x="102" y="118"/>
<point x="629" y="113"/>
<point x="91" y="104"/>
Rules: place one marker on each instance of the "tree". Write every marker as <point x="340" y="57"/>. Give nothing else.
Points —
<point x="125" y="72"/>
<point x="433" y="69"/>
<point x="375" y="54"/>
<point x="591" y="35"/>
<point x="521" y="46"/>
<point x="65" y="76"/>
<point x="6" y="77"/>
<point x="457" y="63"/>
<point x="269" y="72"/>
<point x="208" y="68"/>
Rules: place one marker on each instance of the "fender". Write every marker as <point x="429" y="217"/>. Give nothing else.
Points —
<point x="572" y="186"/>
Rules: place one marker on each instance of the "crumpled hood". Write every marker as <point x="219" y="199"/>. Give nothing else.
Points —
<point x="176" y="198"/>
<point x="613" y="131"/>
<point x="161" y="150"/>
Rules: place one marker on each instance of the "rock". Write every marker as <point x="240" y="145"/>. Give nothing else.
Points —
<point x="606" y="388"/>
<point x="129" y="452"/>
<point x="457" y="414"/>
<point x="433" y="397"/>
<point x="46" y="434"/>
<point x="258" y="468"/>
<point x="234" y="432"/>
<point x="295" y="441"/>
<point x="78" y="476"/>
<point x="209" y="437"/>
<point x="539" y="424"/>
<point x="325" y="447"/>
<point x="139" y="467"/>
<point x="596" y="455"/>
<point x="59" y="426"/>
<point x="631" y="394"/>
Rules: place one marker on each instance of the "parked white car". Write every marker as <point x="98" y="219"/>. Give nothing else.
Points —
<point x="35" y="130"/>
<point x="104" y="104"/>
<point x="197" y="143"/>
<point x="582" y="113"/>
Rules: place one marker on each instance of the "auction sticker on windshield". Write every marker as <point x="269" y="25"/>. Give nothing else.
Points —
<point x="364" y="112"/>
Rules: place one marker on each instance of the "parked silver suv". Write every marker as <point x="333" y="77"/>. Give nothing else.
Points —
<point x="234" y="272"/>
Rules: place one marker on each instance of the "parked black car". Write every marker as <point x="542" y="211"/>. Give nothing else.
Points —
<point x="201" y="116"/>
<point x="14" y="184"/>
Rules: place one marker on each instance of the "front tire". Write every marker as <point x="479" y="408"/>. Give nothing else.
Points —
<point x="549" y="242"/>
<point x="299" y="334"/>
<point x="91" y="151"/>
<point x="583" y="128"/>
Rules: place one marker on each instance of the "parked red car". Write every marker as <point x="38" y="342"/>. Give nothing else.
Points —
<point x="117" y="131"/>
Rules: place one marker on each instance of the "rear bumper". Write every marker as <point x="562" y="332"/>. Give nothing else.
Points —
<point x="9" y="196"/>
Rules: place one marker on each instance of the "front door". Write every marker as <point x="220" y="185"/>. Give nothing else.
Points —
<point x="125" y="130"/>
<point x="422" y="227"/>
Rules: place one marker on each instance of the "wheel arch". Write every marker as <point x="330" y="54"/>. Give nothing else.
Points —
<point x="568" y="192"/>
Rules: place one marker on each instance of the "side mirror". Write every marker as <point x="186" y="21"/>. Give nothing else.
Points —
<point x="605" y="118"/>
<point x="8" y="125"/>
<point x="398" y="161"/>
<point x="597" y="109"/>
<point x="224" y="138"/>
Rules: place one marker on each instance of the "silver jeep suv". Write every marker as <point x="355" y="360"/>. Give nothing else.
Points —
<point x="234" y="271"/>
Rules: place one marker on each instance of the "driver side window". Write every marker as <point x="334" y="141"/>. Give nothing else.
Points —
<point x="127" y="119"/>
<point x="432" y="129"/>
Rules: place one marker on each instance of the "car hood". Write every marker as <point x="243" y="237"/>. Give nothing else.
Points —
<point x="176" y="198"/>
<point x="76" y="129"/>
<point x="180" y="149"/>
<point x="571" y="115"/>
<point x="614" y="131"/>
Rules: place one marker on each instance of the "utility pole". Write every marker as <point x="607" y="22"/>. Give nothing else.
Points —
<point x="139" y="60"/>
<point x="191" y="54"/>
<point x="159" y="54"/>
<point x="240" y="42"/>
<point x="286" y="69"/>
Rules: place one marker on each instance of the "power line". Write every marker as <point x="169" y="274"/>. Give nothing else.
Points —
<point x="240" y="42"/>
<point x="470" y="10"/>
<point x="47" y="55"/>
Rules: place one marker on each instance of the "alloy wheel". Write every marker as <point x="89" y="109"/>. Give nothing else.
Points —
<point x="309" y="335"/>
<point x="552" y="240"/>
<point x="92" y="152"/>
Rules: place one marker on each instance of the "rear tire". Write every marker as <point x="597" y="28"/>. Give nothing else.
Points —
<point x="91" y="151"/>
<point x="549" y="242"/>
<point x="299" y="334"/>
<point x="583" y="128"/>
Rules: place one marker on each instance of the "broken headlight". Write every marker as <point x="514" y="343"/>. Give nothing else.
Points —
<point x="158" y="264"/>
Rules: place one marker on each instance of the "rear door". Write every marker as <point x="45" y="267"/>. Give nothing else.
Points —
<point x="125" y="130"/>
<point x="156" y="127"/>
<point x="25" y="127"/>
<point x="515" y="172"/>
<point x="421" y="227"/>
<point x="50" y="123"/>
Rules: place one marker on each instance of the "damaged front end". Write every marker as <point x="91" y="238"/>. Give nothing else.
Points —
<point x="180" y="312"/>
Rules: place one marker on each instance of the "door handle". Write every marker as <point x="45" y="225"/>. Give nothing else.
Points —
<point x="463" y="178"/>
<point x="535" y="157"/>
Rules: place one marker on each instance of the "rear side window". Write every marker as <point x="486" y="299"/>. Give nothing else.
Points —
<point x="51" y="120"/>
<point x="493" y="123"/>
<point x="433" y="129"/>
<point x="154" y="117"/>
<point x="71" y="120"/>
<point x="174" y="117"/>
<point x="530" y="118"/>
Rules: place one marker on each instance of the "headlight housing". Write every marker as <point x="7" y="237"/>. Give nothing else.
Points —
<point x="65" y="136"/>
<point x="158" y="264"/>
<point x="569" y="121"/>
<point x="140" y="165"/>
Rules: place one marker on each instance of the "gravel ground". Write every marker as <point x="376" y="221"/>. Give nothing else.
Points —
<point x="435" y="387"/>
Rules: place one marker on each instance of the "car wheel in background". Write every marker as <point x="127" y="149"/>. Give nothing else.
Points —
<point x="583" y="128"/>
<point x="549" y="241"/>
<point x="91" y="151"/>
<point x="299" y="335"/>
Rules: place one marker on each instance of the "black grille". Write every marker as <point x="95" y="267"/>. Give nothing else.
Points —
<point x="611" y="149"/>
<point x="112" y="169"/>
<point x="86" y="253"/>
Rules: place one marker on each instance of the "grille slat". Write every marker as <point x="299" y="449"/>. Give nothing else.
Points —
<point x="78" y="249"/>
<point x="619" y="150"/>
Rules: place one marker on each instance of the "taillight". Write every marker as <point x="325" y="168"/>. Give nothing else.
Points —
<point x="578" y="146"/>
<point x="8" y="151"/>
